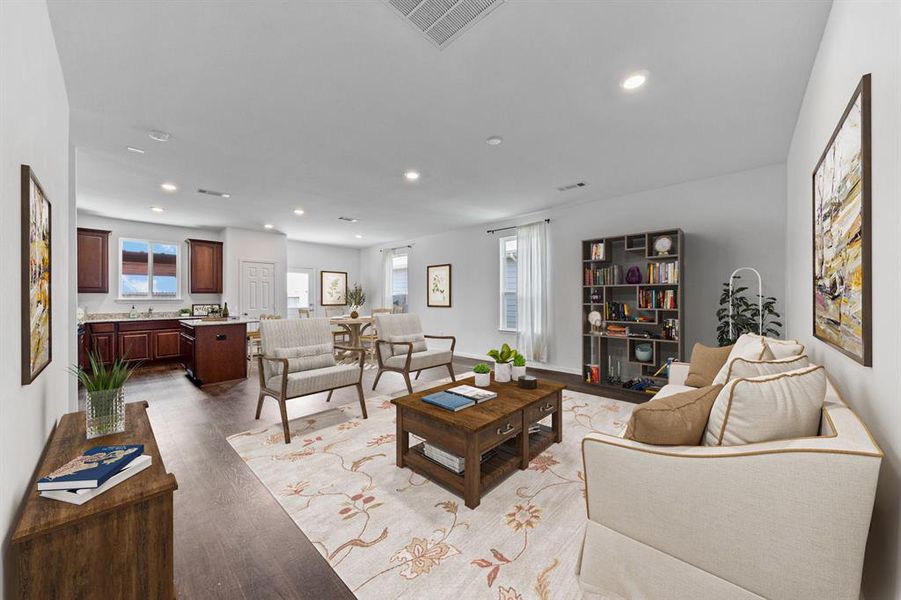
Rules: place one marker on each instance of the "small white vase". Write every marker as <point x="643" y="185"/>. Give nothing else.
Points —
<point x="518" y="372"/>
<point x="502" y="372"/>
<point x="483" y="379"/>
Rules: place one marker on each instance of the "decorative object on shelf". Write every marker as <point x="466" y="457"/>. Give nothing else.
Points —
<point x="519" y="366"/>
<point x="671" y="329"/>
<point x="105" y="387"/>
<point x="332" y="288"/>
<point x="37" y="320"/>
<point x="614" y="371"/>
<point x="663" y="245"/>
<point x="203" y="310"/>
<point x="596" y="296"/>
<point x="841" y="233"/>
<point x="483" y="375"/>
<point x="356" y="299"/>
<point x="595" y="320"/>
<point x="438" y="279"/>
<point x="633" y="275"/>
<point x="502" y="367"/>
<point x="738" y="314"/>
<point x="644" y="352"/>
<point x="598" y="251"/>
<point x="527" y="382"/>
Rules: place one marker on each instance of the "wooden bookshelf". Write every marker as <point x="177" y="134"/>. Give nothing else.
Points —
<point x="605" y="290"/>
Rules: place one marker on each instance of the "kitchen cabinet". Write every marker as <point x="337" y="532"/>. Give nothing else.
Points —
<point x="206" y="266"/>
<point x="135" y="345"/>
<point x="214" y="351"/>
<point x="146" y="340"/>
<point x="102" y="340"/>
<point x="93" y="261"/>
<point x="166" y="344"/>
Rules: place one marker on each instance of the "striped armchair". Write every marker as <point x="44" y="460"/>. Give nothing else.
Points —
<point x="401" y="348"/>
<point x="298" y="359"/>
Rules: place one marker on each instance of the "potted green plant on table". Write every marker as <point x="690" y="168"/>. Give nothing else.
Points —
<point x="502" y="358"/>
<point x="519" y="366"/>
<point x="105" y="387"/>
<point x="483" y="374"/>
<point x="356" y="299"/>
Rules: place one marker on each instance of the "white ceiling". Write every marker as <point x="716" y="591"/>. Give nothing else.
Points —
<point x="324" y="105"/>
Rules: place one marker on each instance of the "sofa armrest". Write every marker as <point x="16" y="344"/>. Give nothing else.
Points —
<point x="678" y="372"/>
<point x="800" y="508"/>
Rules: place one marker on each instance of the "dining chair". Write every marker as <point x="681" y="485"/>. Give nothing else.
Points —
<point x="305" y="312"/>
<point x="254" y="348"/>
<point x="339" y="334"/>
<point x="368" y="339"/>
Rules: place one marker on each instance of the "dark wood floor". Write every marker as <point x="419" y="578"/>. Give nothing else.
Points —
<point x="232" y="538"/>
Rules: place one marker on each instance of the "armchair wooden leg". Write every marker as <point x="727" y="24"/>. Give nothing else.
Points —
<point x="329" y="397"/>
<point x="284" y="408"/>
<point x="407" y="381"/>
<point x="362" y="400"/>
<point x="377" y="377"/>
<point x="450" y="369"/>
<point x="260" y="405"/>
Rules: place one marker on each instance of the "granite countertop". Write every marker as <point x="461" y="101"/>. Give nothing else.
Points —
<point x="116" y="317"/>
<point x="198" y="322"/>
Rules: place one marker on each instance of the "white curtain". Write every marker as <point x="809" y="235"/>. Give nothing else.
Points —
<point x="533" y="336"/>
<point x="387" y="270"/>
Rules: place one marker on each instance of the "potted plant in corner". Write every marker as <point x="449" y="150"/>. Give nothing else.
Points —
<point x="519" y="366"/>
<point x="356" y="299"/>
<point x="105" y="404"/>
<point x="502" y="358"/>
<point x="483" y="375"/>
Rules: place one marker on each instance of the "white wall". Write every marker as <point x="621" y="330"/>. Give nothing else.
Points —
<point x="109" y="303"/>
<point x="860" y="38"/>
<point x="246" y="244"/>
<point x="729" y="221"/>
<point x="34" y="130"/>
<point x="322" y="257"/>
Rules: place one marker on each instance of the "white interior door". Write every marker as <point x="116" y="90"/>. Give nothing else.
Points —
<point x="258" y="288"/>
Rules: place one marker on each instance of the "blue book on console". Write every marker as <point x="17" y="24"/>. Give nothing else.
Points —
<point x="91" y="469"/>
<point x="448" y="401"/>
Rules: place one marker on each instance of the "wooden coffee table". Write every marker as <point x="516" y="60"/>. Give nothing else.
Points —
<point x="501" y="424"/>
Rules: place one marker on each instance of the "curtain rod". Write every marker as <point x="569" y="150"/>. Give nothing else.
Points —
<point x="515" y="226"/>
<point x="396" y="248"/>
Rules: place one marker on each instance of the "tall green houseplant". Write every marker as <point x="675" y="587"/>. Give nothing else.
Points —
<point x="745" y="315"/>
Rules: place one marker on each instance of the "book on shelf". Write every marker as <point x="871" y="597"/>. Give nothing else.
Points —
<point x="91" y="469"/>
<point x="455" y="463"/>
<point x="80" y="496"/>
<point x="665" y="299"/>
<point x="598" y="251"/>
<point x="592" y="373"/>
<point x="663" y="272"/>
<point x="612" y="275"/>
<point x="448" y="401"/>
<point x="473" y="393"/>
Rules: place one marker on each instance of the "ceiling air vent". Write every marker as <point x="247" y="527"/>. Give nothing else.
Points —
<point x="572" y="186"/>
<point x="442" y="21"/>
<point x="212" y="193"/>
<point x="348" y="219"/>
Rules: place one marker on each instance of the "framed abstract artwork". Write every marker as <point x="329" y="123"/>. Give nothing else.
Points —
<point x="438" y="278"/>
<point x="841" y="233"/>
<point x="332" y="288"/>
<point x="37" y="322"/>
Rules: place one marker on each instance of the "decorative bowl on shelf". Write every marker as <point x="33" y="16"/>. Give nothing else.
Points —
<point x="644" y="352"/>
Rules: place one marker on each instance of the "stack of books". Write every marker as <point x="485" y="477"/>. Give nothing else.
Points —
<point x="446" y="459"/>
<point x="598" y="251"/>
<point x="661" y="272"/>
<point x="458" y="398"/>
<point x="94" y="472"/>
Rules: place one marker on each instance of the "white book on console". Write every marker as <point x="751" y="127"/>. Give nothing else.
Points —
<point x="81" y="496"/>
<point x="473" y="393"/>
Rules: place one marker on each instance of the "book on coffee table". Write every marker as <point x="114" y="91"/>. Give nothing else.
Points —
<point x="448" y="401"/>
<point x="473" y="393"/>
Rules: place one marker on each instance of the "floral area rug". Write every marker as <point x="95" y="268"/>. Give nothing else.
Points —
<point x="390" y="533"/>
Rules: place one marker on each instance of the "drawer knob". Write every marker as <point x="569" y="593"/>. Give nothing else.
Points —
<point x="506" y="429"/>
<point x="546" y="407"/>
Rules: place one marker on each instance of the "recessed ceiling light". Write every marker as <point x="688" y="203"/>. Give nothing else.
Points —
<point x="412" y="175"/>
<point x="156" y="208"/>
<point x="133" y="149"/>
<point x="358" y="236"/>
<point x="159" y="136"/>
<point x="298" y="211"/>
<point x="268" y="225"/>
<point x="169" y="187"/>
<point x="494" y="140"/>
<point x="634" y="81"/>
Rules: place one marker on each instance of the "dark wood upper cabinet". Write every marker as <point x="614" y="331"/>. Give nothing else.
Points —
<point x="93" y="261"/>
<point x="206" y="266"/>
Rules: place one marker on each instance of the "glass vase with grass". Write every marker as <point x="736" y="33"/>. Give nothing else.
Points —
<point x="105" y="387"/>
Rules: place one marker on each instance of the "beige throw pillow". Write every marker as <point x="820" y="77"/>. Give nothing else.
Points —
<point x="676" y="420"/>
<point x="747" y="346"/>
<point x="418" y="343"/>
<point x="782" y="348"/>
<point x="772" y="407"/>
<point x="745" y="368"/>
<point x="706" y="362"/>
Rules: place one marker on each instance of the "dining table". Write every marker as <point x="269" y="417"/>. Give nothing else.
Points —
<point x="354" y="326"/>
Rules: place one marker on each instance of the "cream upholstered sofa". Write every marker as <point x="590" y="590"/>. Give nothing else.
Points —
<point x="299" y="359"/>
<point x="784" y="519"/>
<point x="401" y="347"/>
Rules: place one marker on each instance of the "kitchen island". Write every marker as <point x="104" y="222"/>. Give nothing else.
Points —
<point x="214" y="351"/>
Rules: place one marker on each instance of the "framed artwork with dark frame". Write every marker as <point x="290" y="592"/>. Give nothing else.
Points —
<point x="333" y="288"/>
<point x="37" y="317"/>
<point x="438" y="280"/>
<point x="842" y="233"/>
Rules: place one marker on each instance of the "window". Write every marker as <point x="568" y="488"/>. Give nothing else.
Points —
<point x="148" y="269"/>
<point x="508" y="283"/>
<point x="399" y="281"/>
<point x="299" y="290"/>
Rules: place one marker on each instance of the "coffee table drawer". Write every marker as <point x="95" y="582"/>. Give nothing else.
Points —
<point x="499" y="431"/>
<point x="539" y="410"/>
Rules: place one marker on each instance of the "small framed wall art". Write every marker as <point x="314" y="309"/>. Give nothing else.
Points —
<point x="333" y="288"/>
<point x="438" y="279"/>
<point x="37" y="322"/>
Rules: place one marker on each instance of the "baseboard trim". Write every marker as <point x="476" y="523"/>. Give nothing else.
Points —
<point x="533" y="365"/>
